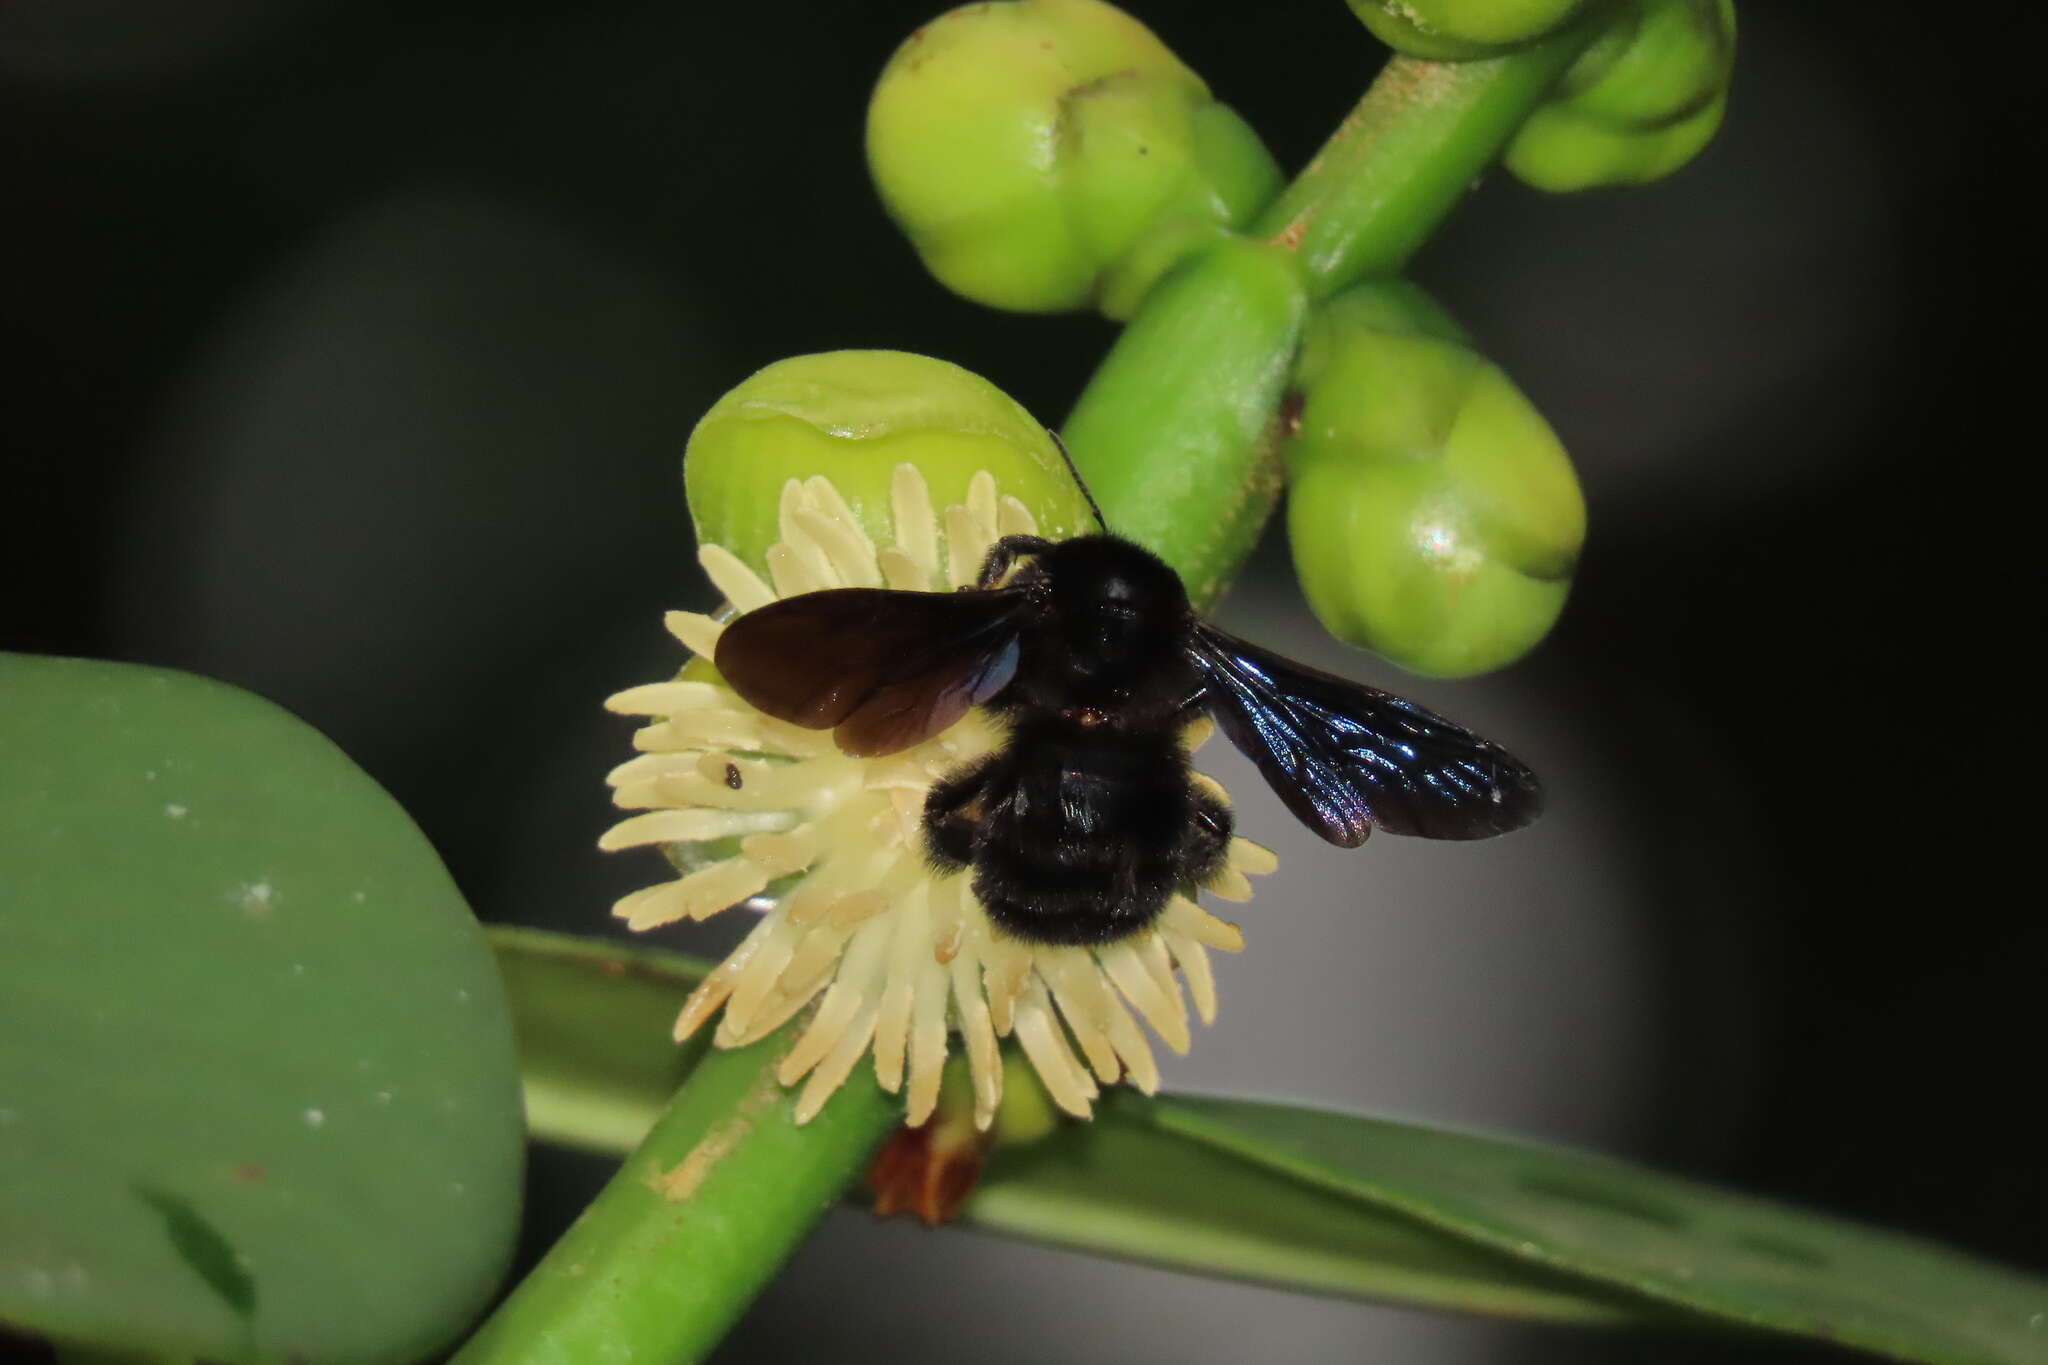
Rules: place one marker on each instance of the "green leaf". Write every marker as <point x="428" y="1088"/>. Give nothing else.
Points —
<point x="593" y="1020"/>
<point x="258" y="1095"/>
<point x="1729" y="1256"/>
<point x="1336" y="1204"/>
<point x="1122" y="1186"/>
<point x="1118" y="1186"/>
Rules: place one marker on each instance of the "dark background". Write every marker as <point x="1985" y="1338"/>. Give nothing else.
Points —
<point x="351" y="348"/>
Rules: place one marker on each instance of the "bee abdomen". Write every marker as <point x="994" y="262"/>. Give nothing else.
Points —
<point x="1086" y="841"/>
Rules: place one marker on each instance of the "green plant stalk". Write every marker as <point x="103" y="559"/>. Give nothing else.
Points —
<point x="696" y="1222"/>
<point x="1406" y="154"/>
<point x="1173" y="430"/>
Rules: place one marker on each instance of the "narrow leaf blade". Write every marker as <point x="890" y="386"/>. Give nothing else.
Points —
<point x="592" y="1020"/>
<point x="1331" y="1203"/>
<point x="1729" y="1256"/>
<point x="1120" y="1186"/>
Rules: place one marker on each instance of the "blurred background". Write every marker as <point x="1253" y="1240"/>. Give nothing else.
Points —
<point x="352" y="346"/>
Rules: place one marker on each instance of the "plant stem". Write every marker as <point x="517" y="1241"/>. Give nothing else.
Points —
<point x="1170" y="430"/>
<point x="1173" y="430"/>
<point x="1406" y="154"/>
<point x="695" y="1223"/>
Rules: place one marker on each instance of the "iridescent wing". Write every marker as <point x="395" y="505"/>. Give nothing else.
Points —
<point x="1347" y="758"/>
<point x="882" y="669"/>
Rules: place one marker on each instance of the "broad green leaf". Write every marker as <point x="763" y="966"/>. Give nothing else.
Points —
<point x="1735" y="1258"/>
<point x="258" y="1096"/>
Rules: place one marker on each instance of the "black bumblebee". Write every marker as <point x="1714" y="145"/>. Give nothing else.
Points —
<point x="1087" y="820"/>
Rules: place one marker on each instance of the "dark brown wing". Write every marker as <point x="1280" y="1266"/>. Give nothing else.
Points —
<point x="1346" y="757"/>
<point x="883" y="670"/>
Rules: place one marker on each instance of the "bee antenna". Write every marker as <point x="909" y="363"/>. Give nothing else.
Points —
<point x="1082" y="483"/>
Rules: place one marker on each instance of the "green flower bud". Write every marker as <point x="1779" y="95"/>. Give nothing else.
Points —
<point x="1028" y="149"/>
<point x="1561" y="152"/>
<point x="853" y="416"/>
<point x="1661" y="61"/>
<point x="1433" y="515"/>
<point x="1641" y="102"/>
<point x="1028" y="1113"/>
<point x="1461" y="30"/>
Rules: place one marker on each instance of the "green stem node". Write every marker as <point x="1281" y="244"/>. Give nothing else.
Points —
<point x="700" y="1217"/>
<point x="1175" y="431"/>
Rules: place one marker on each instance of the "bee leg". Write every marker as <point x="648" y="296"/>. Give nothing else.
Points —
<point x="1006" y="552"/>
<point x="1202" y="847"/>
<point x="951" y="816"/>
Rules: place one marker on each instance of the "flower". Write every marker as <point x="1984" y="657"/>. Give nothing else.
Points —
<point x="830" y="847"/>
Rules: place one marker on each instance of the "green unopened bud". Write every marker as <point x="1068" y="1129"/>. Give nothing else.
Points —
<point x="1561" y="152"/>
<point x="853" y="416"/>
<point x="1461" y="30"/>
<point x="1028" y="149"/>
<point x="1641" y="102"/>
<point x="1027" y="1113"/>
<point x="1433" y="515"/>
